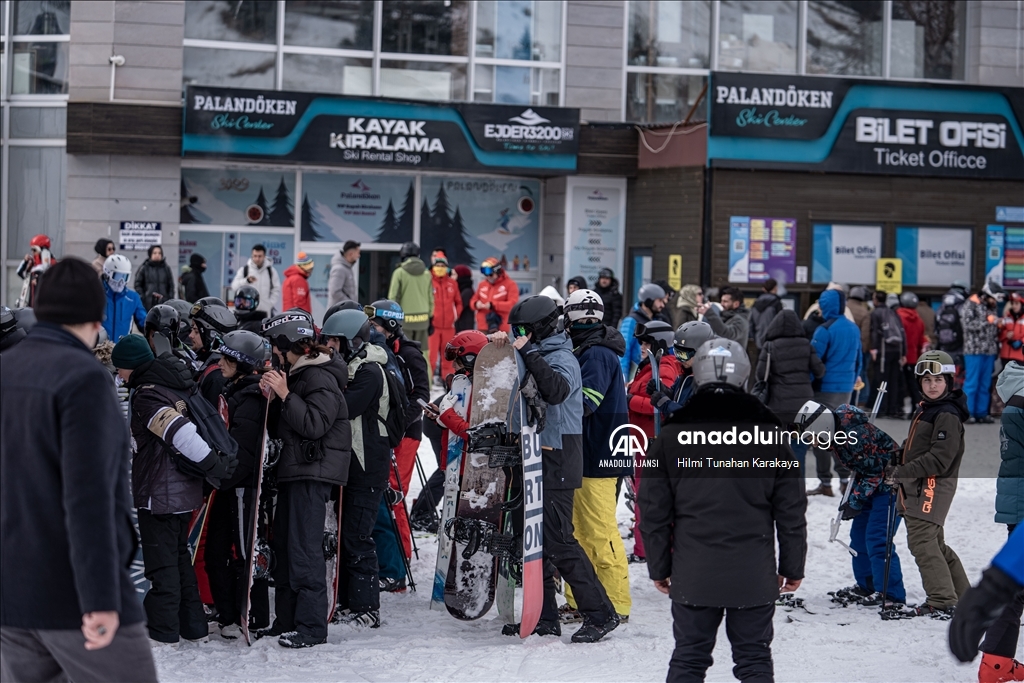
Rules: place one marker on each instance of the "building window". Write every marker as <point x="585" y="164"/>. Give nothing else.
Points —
<point x="928" y="39"/>
<point x="39" y="47"/>
<point x="519" y="29"/>
<point x="758" y="36"/>
<point x="342" y="24"/>
<point x="663" y="98"/>
<point x="845" y="38"/>
<point x="426" y="27"/>
<point x="670" y="33"/>
<point x="236" y="21"/>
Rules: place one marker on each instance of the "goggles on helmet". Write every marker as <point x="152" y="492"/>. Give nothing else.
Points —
<point x="373" y="312"/>
<point x="488" y="270"/>
<point x="520" y="331"/>
<point x="933" y="367"/>
<point x="685" y="354"/>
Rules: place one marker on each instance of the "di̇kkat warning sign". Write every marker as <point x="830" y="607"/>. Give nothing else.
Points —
<point x="139" y="235"/>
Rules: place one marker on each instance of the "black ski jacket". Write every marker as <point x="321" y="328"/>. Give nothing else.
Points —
<point x="251" y="321"/>
<point x="315" y="411"/>
<point x="154" y="283"/>
<point x="246" y="409"/>
<point x="365" y="395"/>
<point x="467" y="319"/>
<point x="209" y="377"/>
<point x="65" y="503"/>
<point x="417" y="383"/>
<point x="612" y="299"/>
<point x="793" y="362"/>
<point x="713" y="530"/>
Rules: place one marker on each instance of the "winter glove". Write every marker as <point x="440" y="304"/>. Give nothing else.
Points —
<point x="430" y="327"/>
<point x="659" y="399"/>
<point x="651" y="387"/>
<point x="1016" y="344"/>
<point x="891" y="475"/>
<point x="850" y="512"/>
<point x="977" y="610"/>
<point x="536" y="408"/>
<point x="218" y="467"/>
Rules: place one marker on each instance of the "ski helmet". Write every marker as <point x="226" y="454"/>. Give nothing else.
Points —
<point x="584" y="306"/>
<point x="892" y="300"/>
<point x="908" y="300"/>
<point x="720" y="361"/>
<point x="351" y="328"/>
<point x="386" y="313"/>
<point x="213" y="320"/>
<point x="408" y="250"/>
<point x="247" y="348"/>
<point x="649" y="293"/>
<point x="40" y="241"/>
<point x="689" y="337"/>
<point x="552" y="293"/>
<point x="657" y="333"/>
<point x="288" y="328"/>
<point x="536" y="315"/>
<point x="936" y="363"/>
<point x="491" y="266"/>
<point x="117" y="269"/>
<point x="340" y="306"/>
<point x="605" y="272"/>
<point x="212" y="300"/>
<point x="184" y="310"/>
<point x="816" y="418"/>
<point x="860" y="293"/>
<point x="465" y="346"/>
<point x="247" y="298"/>
<point x="960" y="286"/>
<point x="994" y="290"/>
<point x="10" y="334"/>
<point x="163" y="320"/>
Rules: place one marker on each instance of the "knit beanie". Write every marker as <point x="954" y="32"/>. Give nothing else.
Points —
<point x="304" y="261"/>
<point x="131" y="352"/>
<point x="70" y="294"/>
<point x="463" y="270"/>
<point x="101" y="246"/>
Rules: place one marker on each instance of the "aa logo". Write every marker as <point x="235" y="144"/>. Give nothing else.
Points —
<point x="628" y="441"/>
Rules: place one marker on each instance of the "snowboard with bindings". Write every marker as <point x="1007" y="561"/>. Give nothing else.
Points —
<point x="332" y="549"/>
<point x="257" y="552"/>
<point x="461" y="391"/>
<point x="532" y="536"/>
<point x="477" y="529"/>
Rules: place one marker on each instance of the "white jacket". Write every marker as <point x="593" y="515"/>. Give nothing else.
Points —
<point x="268" y="282"/>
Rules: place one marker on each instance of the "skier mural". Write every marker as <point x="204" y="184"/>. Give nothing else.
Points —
<point x="337" y="207"/>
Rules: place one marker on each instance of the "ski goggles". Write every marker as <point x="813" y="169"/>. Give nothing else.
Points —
<point x="488" y="270"/>
<point x="117" y="277"/>
<point x="684" y="354"/>
<point x="933" y="367"/>
<point x="520" y="331"/>
<point x="453" y="352"/>
<point x="374" y="312"/>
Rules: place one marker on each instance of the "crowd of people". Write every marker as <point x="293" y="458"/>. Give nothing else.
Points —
<point x="345" y="402"/>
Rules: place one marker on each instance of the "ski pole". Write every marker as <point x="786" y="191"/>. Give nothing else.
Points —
<point x="890" y="533"/>
<point x="423" y="483"/>
<point x="656" y="372"/>
<point x="401" y="551"/>
<point x="398" y="479"/>
<point x="882" y="388"/>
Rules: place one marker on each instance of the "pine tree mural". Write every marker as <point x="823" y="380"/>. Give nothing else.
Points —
<point x="282" y="215"/>
<point x="434" y="232"/>
<point x="458" y="248"/>
<point x="388" y="226"/>
<point x="261" y="201"/>
<point x="425" y="221"/>
<point x="309" y="223"/>
<point x="403" y="232"/>
<point x="187" y="215"/>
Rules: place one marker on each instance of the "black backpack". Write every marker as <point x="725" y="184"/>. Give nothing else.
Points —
<point x="209" y="424"/>
<point x="395" y="422"/>
<point x="948" y="329"/>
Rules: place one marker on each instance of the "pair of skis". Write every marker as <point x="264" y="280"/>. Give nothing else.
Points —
<point x="491" y="532"/>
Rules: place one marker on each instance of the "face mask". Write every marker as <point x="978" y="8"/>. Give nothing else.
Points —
<point x="440" y="271"/>
<point x="117" y="282"/>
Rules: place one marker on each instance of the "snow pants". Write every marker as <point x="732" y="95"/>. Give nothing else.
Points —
<point x="597" y="530"/>
<point x="750" y="633"/>
<point x="942" y="575"/>
<point x="978" y="383"/>
<point x="300" y="577"/>
<point x="563" y="552"/>
<point x="1001" y="637"/>
<point x="359" y="587"/>
<point x="888" y="370"/>
<point x="389" y="553"/>
<point x="228" y="539"/>
<point x="868" y="537"/>
<point x="34" y="655"/>
<point x="425" y="506"/>
<point x="173" y="608"/>
<point x="438" y="341"/>
<point x="405" y="456"/>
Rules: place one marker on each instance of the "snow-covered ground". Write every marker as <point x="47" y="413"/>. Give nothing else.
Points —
<point x="416" y="644"/>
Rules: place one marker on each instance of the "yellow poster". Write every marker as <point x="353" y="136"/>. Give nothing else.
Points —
<point x="889" y="275"/>
<point x="675" y="271"/>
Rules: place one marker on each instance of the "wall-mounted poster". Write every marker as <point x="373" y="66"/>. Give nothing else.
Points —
<point x="761" y="248"/>
<point x="211" y="246"/>
<point x="473" y="218"/>
<point x="1013" y="256"/>
<point x="212" y="196"/>
<point x="846" y="253"/>
<point x="994" y="263"/>
<point x="934" y="256"/>
<point x="337" y="207"/>
<point x="595" y="234"/>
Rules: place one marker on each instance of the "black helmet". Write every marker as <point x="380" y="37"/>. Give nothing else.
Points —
<point x="536" y="315"/>
<point x="908" y="300"/>
<point x="247" y="348"/>
<point x="689" y="337"/>
<point x="340" y="306"/>
<point x="351" y="328"/>
<point x="605" y="272"/>
<point x="303" y="312"/>
<point x="657" y="333"/>
<point x="648" y="293"/>
<point x="288" y="328"/>
<point x="164" y="320"/>
<point x="409" y="249"/>
<point x="10" y="334"/>
<point x="212" y="301"/>
<point x="213" y="319"/>
<point x="247" y="298"/>
<point x="184" y="310"/>
<point x="386" y="313"/>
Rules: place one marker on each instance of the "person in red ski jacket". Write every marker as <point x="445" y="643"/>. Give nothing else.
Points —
<point x="917" y="340"/>
<point x="461" y="351"/>
<point x="295" y="291"/>
<point x="653" y="336"/>
<point x="1011" y="330"/>
<point x="494" y="298"/>
<point x="447" y="309"/>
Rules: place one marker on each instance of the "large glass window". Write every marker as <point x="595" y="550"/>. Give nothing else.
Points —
<point x="519" y="29"/>
<point x="844" y="38"/>
<point x="343" y="24"/>
<point x="670" y="33"/>
<point x="35" y="197"/>
<point x="240" y="21"/>
<point x="663" y="98"/>
<point x="928" y="39"/>
<point x="758" y="35"/>
<point x="42" y="17"/>
<point x="319" y="73"/>
<point x="426" y="27"/>
<point x="235" y="68"/>
<point x="436" y="81"/>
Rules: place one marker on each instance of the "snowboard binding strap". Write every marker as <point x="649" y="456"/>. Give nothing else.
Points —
<point x="480" y="535"/>
<point x="493" y="440"/>
<point x="263" y="561"/>
<point x="330" y="546"/>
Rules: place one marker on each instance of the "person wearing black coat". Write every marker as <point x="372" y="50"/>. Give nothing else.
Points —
<point x="710" y="532"/>
<point x="607" y="288"/>
<point x="467" y="319"/>
<point x="66" y="529"/>
<point x="154" y="282"/>
<point x="193" y="286"/>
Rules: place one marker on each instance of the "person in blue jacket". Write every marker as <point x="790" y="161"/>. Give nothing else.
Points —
<point x="650" y="300"/>
<point x="122" y="303"/>
<point x="982" y="607"/>
<point x="837" y="342"/>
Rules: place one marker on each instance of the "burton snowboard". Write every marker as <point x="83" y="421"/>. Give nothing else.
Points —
<point x="332" y="550"/>
<point x="461" y="390"/>
<point x="253" y="568"/>
<point x="477" y="528"/>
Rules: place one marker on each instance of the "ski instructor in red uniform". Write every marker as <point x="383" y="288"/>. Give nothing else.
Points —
<point x="494" y="298"/>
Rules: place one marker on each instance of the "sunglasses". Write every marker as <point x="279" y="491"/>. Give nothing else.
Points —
<point x="933" y="367"/>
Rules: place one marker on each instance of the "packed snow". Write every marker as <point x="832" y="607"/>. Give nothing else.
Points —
<point x="851" y="644"/>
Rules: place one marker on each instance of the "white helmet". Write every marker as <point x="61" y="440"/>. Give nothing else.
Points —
<point x="583" y="304"/>
<point x="552" y="293"/>
<point x="816" y="418"/>
<point x="117" y="269"/>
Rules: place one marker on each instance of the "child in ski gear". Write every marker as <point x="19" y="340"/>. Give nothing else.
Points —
<point x="412" y="287"/>
<point x="123" y="305"/>
<point x="547" y="356"/>
<point x="979" y="318"/>
<point x="447" y="309"/>
<point x="650" y="300"/>
<point x="295" y="291"/>
<point x="598" y="348"/>
<point x="311" y="419"/>
<point x="495" y="296"/>
<point x="711" y="538"/>
<point x="927" y="478"/>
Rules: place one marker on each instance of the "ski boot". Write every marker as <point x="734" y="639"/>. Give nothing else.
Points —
<point x="851" y="595"/>
<point x="295" y="639"/>
<point x="548" y="628"/>
<point x="389" y="585"/>
<point x="633" y="558"/>
<point x="926" y="610"/>
<point x="996" y="669"/>
<point x="369" y="619"/>
<point x="569" y="615"/>
<point x="592" y="632"/>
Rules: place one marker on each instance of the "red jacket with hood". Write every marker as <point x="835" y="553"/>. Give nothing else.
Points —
<point x="502" y="295"/>
<point x="447" y="302"/>
<point x="295" y="290"/>
<point x="914" y="327"/>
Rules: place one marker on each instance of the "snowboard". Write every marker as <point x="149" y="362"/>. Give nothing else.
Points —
<point x="252" y="534"/>
<point x="461" y="391"/>
<point x="476" y="530"/>
<point x="138" y="567"/>
<point x="332" y="551"/>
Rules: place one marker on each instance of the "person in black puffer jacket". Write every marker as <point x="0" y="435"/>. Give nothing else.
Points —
<point x="154" y="282"/>
<point x="311" y="420"/>
<point x="467" y="319"/>
<point x="241" y="354"/>
<point x="793" y="362"/>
